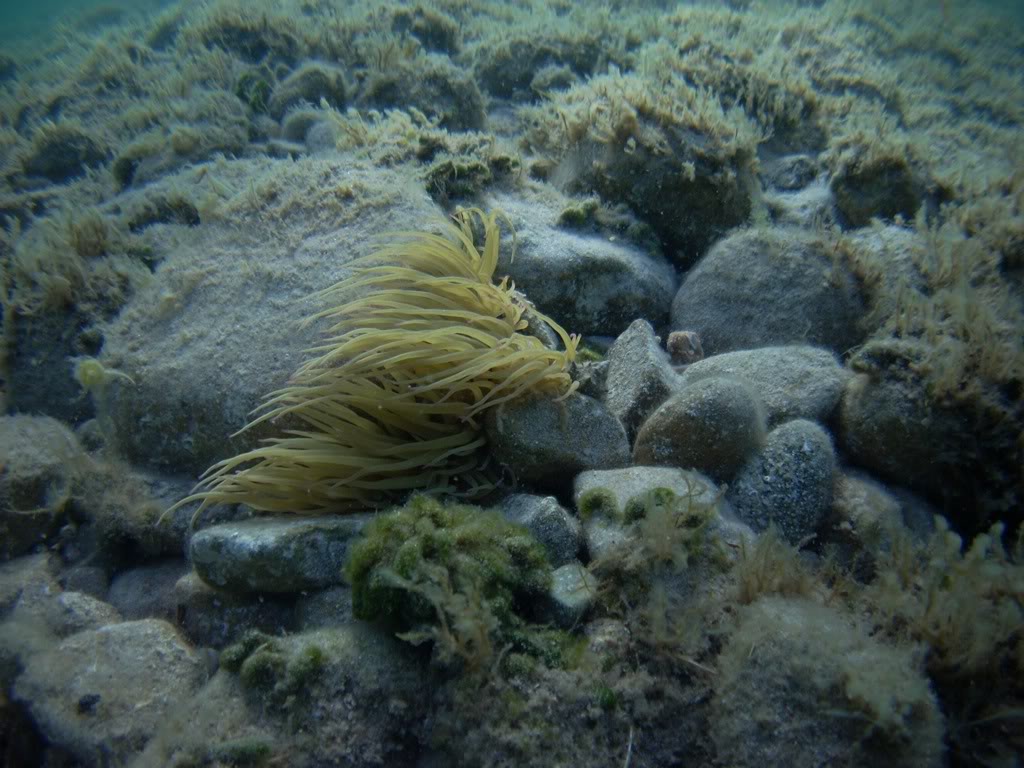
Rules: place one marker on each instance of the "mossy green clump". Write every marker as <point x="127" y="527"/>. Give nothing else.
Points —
<point x="672" y="527"/>
<point x="598" y="502"/>
<point x="270" y="668"/>
<point x="454" y="575"/>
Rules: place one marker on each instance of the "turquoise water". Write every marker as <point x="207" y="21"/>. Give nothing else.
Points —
<point x="731" y="476"/>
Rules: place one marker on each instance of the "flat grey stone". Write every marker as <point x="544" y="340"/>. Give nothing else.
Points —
<point x="275" y="554"/>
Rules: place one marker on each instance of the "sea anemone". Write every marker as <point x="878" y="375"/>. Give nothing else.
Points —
<point x="421" y="343"/>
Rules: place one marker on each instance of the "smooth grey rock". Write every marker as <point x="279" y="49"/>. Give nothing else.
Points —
<point x="789" y="483"/>
<point x="712" y="426"/>
<point x="275" y="554"/>
<point x="766" y="287"/>
<point x="550" y="523"/>
<point x="573" y="593"/>
<point x="214" y="618"/>
<point x="547" y="443"/>
<point x="106" y="691"/>
<point x="792" y="382"/>
<point x="588" y="283"/>
<point x="90" y="579"/>
<point x="147" y="592"/>
<point x="640" y="377"/>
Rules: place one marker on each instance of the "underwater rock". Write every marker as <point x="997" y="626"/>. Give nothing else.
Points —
<point x="640" y="377"/>
<point x="547" y="443"/>
<point x="867" y="517"/>
<point x="549" y="522"/>
<point x="106" y="691"/>
<point x="201" y="306"/>
<point x="213" y="618"/>
<point x="147" y="592"/>
<point x="795" y="382"/>
<point x="765" y="287"/>
<point x="684" y="348"/>
<point x="63" y="151"/>
<point x="888" y="425"/>
<point x="436" y="31"/>
<point x="38" y="375"/>
<point x="809" y="208"/>
<point x="433" y="85"/>
<point x="789" y="482"/>
<point x="327" y="608"/>
<point x="802" y="684"/>
<point x="356" y="686"/>
<point x="309" y="84"/>
<point x="39" y="459"/>
<point x="590" y="284"/>
<point x="30" y="578"/>
<point x="607" y="492"/>
<point x="275" y="554"/>
<point x="602" y="498"/>
<point x="507" y="70"/>
<point x="712" y="426"/>
<point x="792" y="172"/>
<point x="879" y="187"/>
<point x="69" y="613"/>
<point x="573" y="593"/>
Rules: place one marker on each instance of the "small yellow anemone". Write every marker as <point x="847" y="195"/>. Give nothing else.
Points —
<point x="421" y="343"/>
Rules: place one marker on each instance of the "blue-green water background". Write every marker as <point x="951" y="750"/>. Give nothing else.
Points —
<point x="24" y="18"/>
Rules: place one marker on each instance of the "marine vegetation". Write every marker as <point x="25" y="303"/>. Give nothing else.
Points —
<point x="452" y="575"/>
<point x="420" y="344"/>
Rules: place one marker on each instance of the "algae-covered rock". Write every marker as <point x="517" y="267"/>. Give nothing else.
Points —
<point x="801" y="684"/>
<point x="63" y="151"/>
<point x="217" y="327"/>
<point x="549" y="522"/>
<point x="308" y="85"/>
<point x="39" y="461"/>
<point x="107" y="691"/>
<point x="573" y="593"/>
